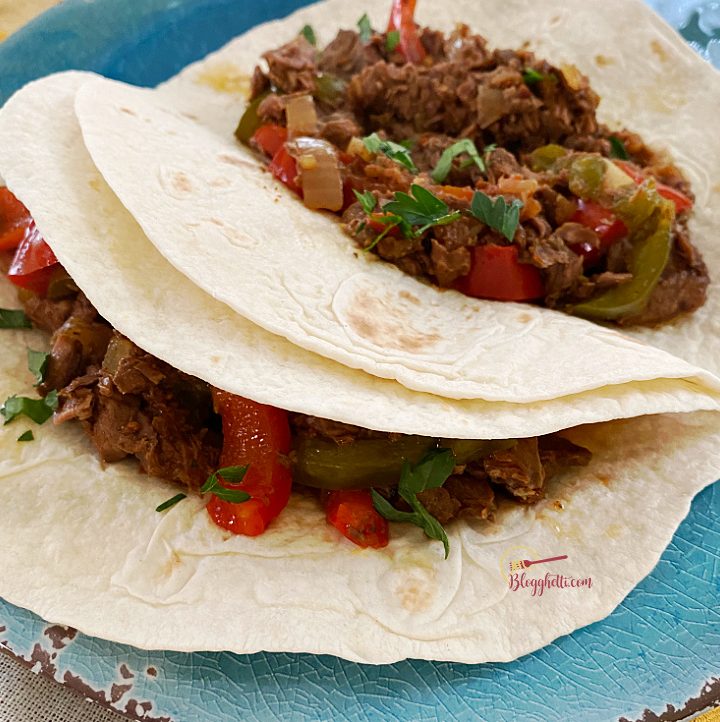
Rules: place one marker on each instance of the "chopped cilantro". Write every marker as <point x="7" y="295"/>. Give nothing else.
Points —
<point x="367" y="200"/>
<point x="392" y="40"/>
<point x="365" y="28"/>
<point x="38" y="363"/>
<point x="618" y="149"/>
<point x="498" y="214"/>
<point x="422" y="208"/>
<point x="232" y="475"/>
<point x="309" y="34"/>
<point x="399" y="153"/>
<point x="532" y="76"/>
<point x="27" y="436"/>
<point x="13" y="319"/>
<point x="171" y="502"/>
<point x="431" y="473"/>
<point x="444" y="165"/>
<point x="38" y="410"/>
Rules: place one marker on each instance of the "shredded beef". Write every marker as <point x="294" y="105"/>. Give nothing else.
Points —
<point x="291" y="68"/>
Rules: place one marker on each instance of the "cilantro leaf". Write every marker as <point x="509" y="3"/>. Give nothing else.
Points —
<point x="444" y="165"/>
<point x="367" y="200"/>
<point x="13" y="319"/>
<point x="171" y="502"/>
<point x="399" y="153"/>
<point x="309" y="34"/>
<point x="422" y="208"/>
<point x="617" y="149"/>
<point x="392" y="40"/>
<point x="38" y="363"/>
<point x="365" y="28"/>
<point x="430" y="473"/>
<point x="38" y="410"/>
<point x="230" y="474"/>
<point x="532" y="76"/>
<point x="27" y="436"/>
<point x="497" y="214"/>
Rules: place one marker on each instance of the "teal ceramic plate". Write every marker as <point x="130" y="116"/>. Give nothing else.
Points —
<point x="660" y="647"/>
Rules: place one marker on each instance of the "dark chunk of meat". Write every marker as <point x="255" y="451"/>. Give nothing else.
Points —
<point x="259" y="84"/>
<point x="475" y="495"/>
<point x="340" y="433"/>
<point x="519" y="470"/>
<point x="339" y="128"/>
<point x="449" y="264"/>
<point x="147" y="409"/>
<point x="292" y="68"/>
<point x="346" y="55"/>
<point x="46" y="314"/>
<point x="272" y="108"/>
<point x="440" y="504"/>
<point x="562" y="268"/>
<point x="501" y="164"/>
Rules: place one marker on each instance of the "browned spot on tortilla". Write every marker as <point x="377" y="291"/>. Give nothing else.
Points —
<point x="118" y="690"/>
<point x="94" y="184"/>
<point x="127" y="111"/>
<point x="215" y="359"/>
<point x="407" y="296"/>
<point x="603" y="60"/>
<point x="220" y="183"/>
<point x="60" y="636"/>
<point x="151" y="672"/>
<point x="217" y="222"/>
<point x="659" y="50"/>
<point x="373" y="320"/>
<point x="230" y="159"/>
<point x="603" y="479"/>
<point x="558" y="505"/>
<point x="716" y="188"/>
<point x="189" y="116"/>
<point x="524" y="318"/>
<point x="125" y="672"/>
<point x="181" y="182"/>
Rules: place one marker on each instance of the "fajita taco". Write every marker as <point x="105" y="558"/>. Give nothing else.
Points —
<point x="99" y="244"/>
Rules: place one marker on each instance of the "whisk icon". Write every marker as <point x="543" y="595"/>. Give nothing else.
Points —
<point x="525" y="563"/>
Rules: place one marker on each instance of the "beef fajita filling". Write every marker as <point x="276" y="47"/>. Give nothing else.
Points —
<point x="482" y="170"/>
<point x="246" y="456"/>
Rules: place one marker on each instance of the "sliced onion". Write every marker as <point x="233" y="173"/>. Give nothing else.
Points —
<point x="319" y="170"/>
<point x="490" y="106"/>
<point x="301" y="116"/>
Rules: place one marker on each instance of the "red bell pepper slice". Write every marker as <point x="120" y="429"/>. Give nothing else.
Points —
<point x="34" y="262"/>
<point x="402" y="21"/>
<point x="270" y="138"/>
<point x="256" y="435"/>
<point x="497" y="274"/>
<point x="352" y="513"/>
<point x="681" y="201"/>
<point x="604" y="222"/>
<point x="15" y="221"/>
<point x="284" y="168"/>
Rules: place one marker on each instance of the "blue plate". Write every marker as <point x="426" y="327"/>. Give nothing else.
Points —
<point x="659" y="647"/>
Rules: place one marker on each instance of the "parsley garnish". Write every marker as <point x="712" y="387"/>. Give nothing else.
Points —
<point x="497" y="214"/>
<point x="232" y="475"/>
<point x="309" y="34"/>
<point x="38" y="363"/>
<point x="365" y="28"/>
<point x="440" y="173"/>
<point x="27" y="436"/>
<point x="367" y="200"/>
<point x="432" y="472"/>
<point x="39" y="410"/>
<point x="532" y="76"/>
<point x="618" y="149"/>
<point x="392" y="40"/>
<point x="422" y="208"/>
<point x="13" y="319"/>
<point x="399" y="153"/>
<point x="171" y="502"/>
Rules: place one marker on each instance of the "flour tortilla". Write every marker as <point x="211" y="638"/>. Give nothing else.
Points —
<point x="216" y="215"/>
<point x="154" y="577"/>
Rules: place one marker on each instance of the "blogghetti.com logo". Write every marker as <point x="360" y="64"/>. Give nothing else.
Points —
<point x="527" y="571"/>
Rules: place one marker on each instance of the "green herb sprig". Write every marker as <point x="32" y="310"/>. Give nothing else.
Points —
<point x="618" y="149"/>
<point x="421" y="208"/>
<point x="171" y="502"/>
<point x="365" y="28"/>
<point x="444" y="165"/>
<point x="399" y="153"/>
<point x="309" y="34"/>
<point x="38" y="363"/>
<point x="497" y="213"/>
<point x="392" y="40"/>
<point x="26" y="436"/>
<point x="232" y="475"/>
<point x="430" y="473"/>
<point x="10" y="318"/>
<point x="37" y="410"/>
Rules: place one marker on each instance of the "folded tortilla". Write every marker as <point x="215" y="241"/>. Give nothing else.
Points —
<point x="153" y="581"/>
